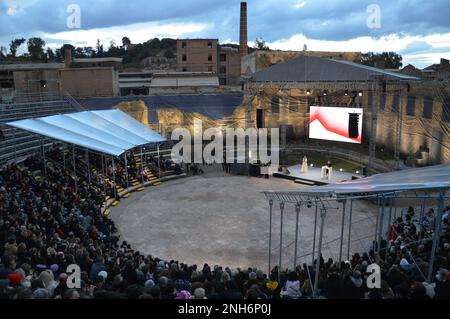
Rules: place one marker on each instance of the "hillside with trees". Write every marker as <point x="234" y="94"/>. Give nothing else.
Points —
<point x="132" y="54"/>
<point x="138" y="55"/>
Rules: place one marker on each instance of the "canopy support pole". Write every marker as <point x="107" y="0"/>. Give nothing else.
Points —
<point x="281" y="240"/>
<point x="270" y="234"/>
<point x="64" y="159"/>
<point x="422" y="214"/>
<point x="126" y="171"/>
<point x="74" y="169"/>
<point x="159" y="162"/>
<point x="114" y="178"/>
<point x="315" y="233"/>
<point x="323" y="215"/>
<point x="142" y="166"/>
<point x="88" y="165"/>
<point x="341" y="246"/>
<point x="380" y="230"/>
<point x="375" y="244"/>
<point x="104" y="176"/>
<point x="388" y="246"/>
<point x="297" y="211"/>
<point x="350" y="217"/>
<point x="437" y="234"/>
<point x="43" y="157"/>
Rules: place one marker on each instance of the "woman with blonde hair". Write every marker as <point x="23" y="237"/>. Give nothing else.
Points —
<point x="48" y="279"/>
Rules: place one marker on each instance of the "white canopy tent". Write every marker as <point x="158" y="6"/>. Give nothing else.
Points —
<point x="413" y="179"/>
<point x="427" y="183"/>
<point x="111" y="132"/>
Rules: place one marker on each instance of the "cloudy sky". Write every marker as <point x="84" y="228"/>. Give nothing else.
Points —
<point x="418" y="29"/>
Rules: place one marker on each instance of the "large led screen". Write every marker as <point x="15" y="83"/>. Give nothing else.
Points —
<point x="336" y="124"/>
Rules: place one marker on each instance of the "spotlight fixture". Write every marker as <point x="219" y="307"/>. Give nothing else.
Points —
<point x="43" y="83"/>
<point x="308" y="92"/>
<point x="325" y="93"/>
<point x="360" y="93"/>
<point x="341" y="170"/>
<point x="346" y="93"/>
<point x="357" y="172"/>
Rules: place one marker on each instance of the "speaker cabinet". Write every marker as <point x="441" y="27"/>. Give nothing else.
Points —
<point x="260" y="118"/>
<point x="353" y="125"/>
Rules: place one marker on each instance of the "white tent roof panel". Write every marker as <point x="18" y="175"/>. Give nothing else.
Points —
<point x="130" y="124"/>
<point x="112" y="132"/>
<point x="86" y="130"/>
<point x="413" y="179"/>
<point x="111" y="128"/>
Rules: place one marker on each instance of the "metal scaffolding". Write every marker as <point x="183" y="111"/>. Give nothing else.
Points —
<point x="326" y="202"/>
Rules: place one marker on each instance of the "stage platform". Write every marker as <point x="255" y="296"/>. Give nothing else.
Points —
<point x="312" y="178"/>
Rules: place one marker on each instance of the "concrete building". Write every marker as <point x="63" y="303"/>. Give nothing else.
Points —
<point x="90" y="82"/>
<point x="145" y="83"/>
<point x="36" y="78"/>
<point x="206" y="55"/>
<point x="438" y="72"/>
<point x="80" y="78"/>
<point x="261" y="60"/>
<point x="435" y="72"/>
<point x="197" y="55"/>
<point x="403" y="116"/>
<point x="115" y="63"/>
<point x="229" y="66"/>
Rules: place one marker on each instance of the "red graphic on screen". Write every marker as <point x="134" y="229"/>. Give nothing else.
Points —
<point x="335" y="120"/>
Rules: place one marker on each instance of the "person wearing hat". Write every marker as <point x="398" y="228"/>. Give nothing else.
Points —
<point x="103" y="274"/>
<point x="41" y="293"/>
<point x="354" y="287"/>
<point x="184" y="294"/>
<point x="15" y="280"/>
<point x="405" y="265"/>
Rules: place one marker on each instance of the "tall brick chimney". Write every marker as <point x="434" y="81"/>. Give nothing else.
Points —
<point x="243" y="40"/>
<point x="68" y="57"/>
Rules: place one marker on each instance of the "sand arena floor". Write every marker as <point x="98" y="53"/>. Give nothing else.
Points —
<point x="221" y="219"/>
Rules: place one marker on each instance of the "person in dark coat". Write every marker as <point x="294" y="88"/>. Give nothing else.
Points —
<point x="333" y="285"/>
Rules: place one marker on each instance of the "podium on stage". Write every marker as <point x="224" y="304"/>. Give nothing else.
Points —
<point x="327" y="172"/>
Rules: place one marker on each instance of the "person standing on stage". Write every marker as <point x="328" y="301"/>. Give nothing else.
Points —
<point x="305" y="165"/>
<point x="329" y="165"/>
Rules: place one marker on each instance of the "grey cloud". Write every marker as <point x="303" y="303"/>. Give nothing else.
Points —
<point x="271" y="19"/>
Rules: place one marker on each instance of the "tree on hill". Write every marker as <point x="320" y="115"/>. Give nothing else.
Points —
<point x="50" y="54"/>
<point x="126" y="42"/>
<point x="384" y="60"/>
<point x="260" y="44"/>
<point x="14" y="45"/>
<point x="3" y="52"/>
<point x="36" y="48"/>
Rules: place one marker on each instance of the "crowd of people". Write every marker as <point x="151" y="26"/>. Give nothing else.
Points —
<point x="49" y="223"/>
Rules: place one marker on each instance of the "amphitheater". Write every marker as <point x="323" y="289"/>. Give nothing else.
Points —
<point x="217" y="218"/>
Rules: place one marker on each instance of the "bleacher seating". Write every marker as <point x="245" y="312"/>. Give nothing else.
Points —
<point x="17" y="144"/>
